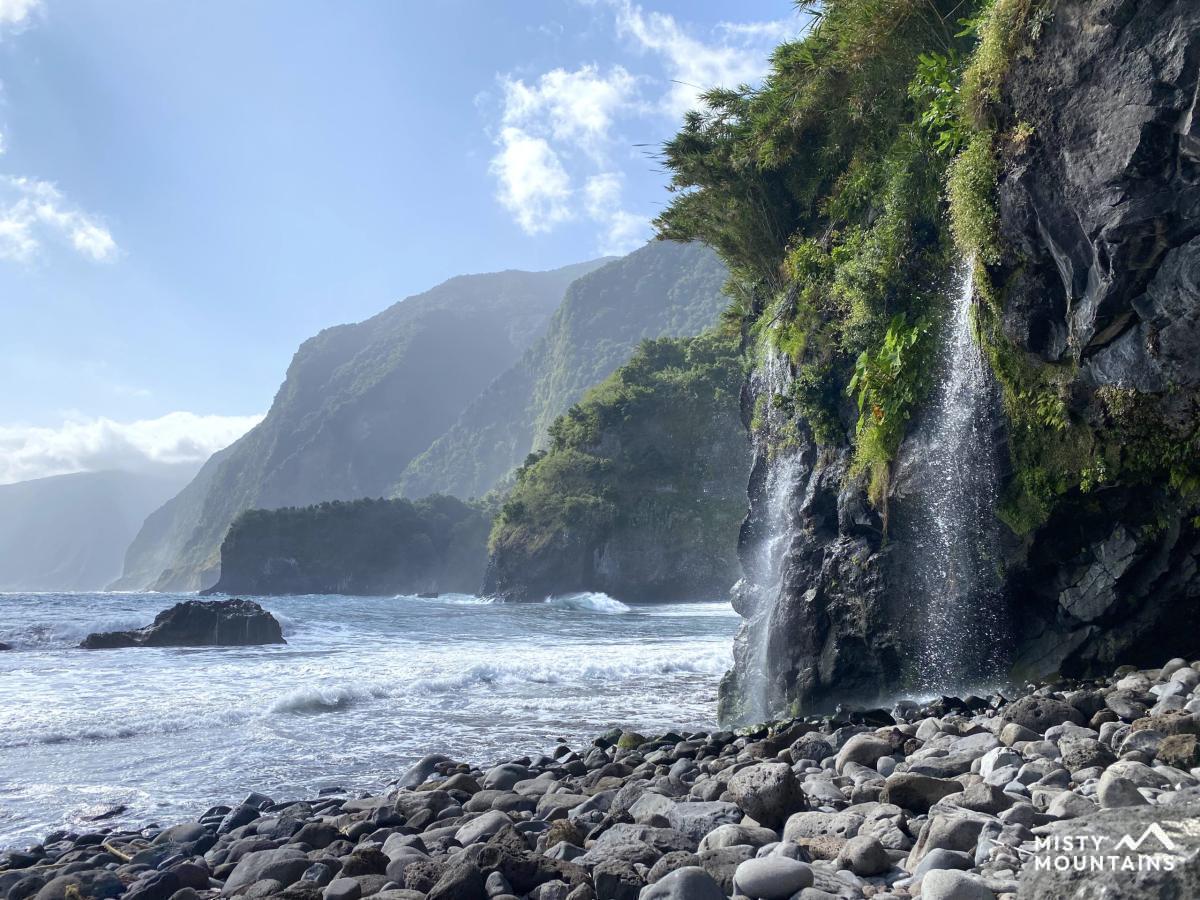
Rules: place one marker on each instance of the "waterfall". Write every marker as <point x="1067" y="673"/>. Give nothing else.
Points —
<point x="963" y="622"/>
<point x="763" y="583"/>
<point x="782" y="479"/>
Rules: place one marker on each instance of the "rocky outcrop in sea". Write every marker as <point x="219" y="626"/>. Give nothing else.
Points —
<point x="197" y="623"/>
<point x="1070" y="788"/>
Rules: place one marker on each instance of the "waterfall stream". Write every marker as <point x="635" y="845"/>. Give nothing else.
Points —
<point x="955" y="532"/>
<point x="782" y="481"/>
<point x="949" y="576"/>
<point x="764" y="583"/>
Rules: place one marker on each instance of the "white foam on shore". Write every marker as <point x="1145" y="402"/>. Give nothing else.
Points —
<point x="561" y="671"/>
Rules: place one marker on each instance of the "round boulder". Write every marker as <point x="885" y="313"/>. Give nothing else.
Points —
<point x="768" y="793"/>
<point x="772" y="877"/>
<point x="688" y="883"/>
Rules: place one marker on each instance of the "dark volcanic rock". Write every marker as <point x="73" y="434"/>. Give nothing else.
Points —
<point x="1040" y="713"/>
<point x="197" y="623"/>
<point x="1102" y="218"/>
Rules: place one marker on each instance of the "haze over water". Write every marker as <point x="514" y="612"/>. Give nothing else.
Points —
<point x="363" y="687"/>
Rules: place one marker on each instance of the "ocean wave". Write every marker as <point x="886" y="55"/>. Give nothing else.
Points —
<point x="287" y="625"/>
<point x="589" y="601"/>
<point x="713" y="662"/>
<point x="38" y="635"/>
<point x="325" y="698"/>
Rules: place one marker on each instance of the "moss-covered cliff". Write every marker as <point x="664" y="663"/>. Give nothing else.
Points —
<point x="642" y="489"/>
<point x="1052" y="143"/>
<point x="365" y="547"/>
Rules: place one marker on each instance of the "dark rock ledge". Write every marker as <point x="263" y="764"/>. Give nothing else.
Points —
<point x="197" y="623"/>
<point x="945" y="801"/>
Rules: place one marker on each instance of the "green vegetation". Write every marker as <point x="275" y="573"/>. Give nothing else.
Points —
<point x="647" y="471"/>
<point x="358" y="547"/>
<point x="843" y="192"/>
<point x="888" y="385"/>
<point x="824" y="191"/>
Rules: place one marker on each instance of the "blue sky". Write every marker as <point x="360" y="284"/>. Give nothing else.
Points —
<point x="188" y="190"/>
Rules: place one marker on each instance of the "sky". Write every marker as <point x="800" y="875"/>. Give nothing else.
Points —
<point x="189" y="190"/>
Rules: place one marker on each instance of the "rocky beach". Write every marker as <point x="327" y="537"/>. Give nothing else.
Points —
<point x="1055" y="793"/>
<point x="607" y="579"/>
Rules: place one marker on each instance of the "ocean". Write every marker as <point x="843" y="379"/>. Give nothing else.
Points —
<point x="364" y="686"/>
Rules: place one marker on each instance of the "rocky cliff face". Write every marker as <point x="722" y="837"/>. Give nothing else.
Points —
<point x="1089" y="313"/>
<point x="359" y="402"/>
<point x="641" y="490"/>
<point x="1101" y="280"/>
<point x="664" y="289"/>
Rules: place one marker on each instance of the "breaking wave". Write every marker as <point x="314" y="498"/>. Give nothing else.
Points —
<point x="589" y="601"/>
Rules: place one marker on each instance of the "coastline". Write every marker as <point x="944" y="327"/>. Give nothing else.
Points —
<point x="956" y="795"/>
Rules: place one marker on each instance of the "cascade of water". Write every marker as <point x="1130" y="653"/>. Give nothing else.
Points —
<point x="765" y="582"/>
<point x="955" y="529"/>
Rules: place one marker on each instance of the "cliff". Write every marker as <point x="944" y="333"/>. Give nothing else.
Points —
<point x="664" y="289"/>
<point x="369" y="547"/>
<point x="1094" y="315"/>
<point x="1026" y="177"/>
<point x="358" y="403"/>
<point x="641" y="490"/>
<point x="69" y="532"/>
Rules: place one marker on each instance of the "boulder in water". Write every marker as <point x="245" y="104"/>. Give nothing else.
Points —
<point x="197" y="623"/>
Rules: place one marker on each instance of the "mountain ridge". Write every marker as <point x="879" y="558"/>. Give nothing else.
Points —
<point x="357" y="403"/>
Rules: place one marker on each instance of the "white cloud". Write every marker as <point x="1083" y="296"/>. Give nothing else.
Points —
<point x="88" y="445"/>
<point x="565" y="117"/>
<point x="558" y="135"/>
<point x="534" y="186"/>
<point x="623" y="231"/>
<point x="694" y="66"/>
<point x="576" y="107"/>
<point x="33" y="211"/>
<point x="14" y="13"/>
<point x="774" y="31"/>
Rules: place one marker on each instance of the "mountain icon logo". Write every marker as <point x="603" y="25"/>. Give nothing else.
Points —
<point x="1153" y="830"/>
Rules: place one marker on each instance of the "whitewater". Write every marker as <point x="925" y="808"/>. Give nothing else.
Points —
<point x="364" y="686"/>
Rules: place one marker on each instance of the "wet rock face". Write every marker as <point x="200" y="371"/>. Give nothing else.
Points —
<point x="834" y="624"/>
<point x="197" y="623"/>
<point x="1102" y="215"/>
